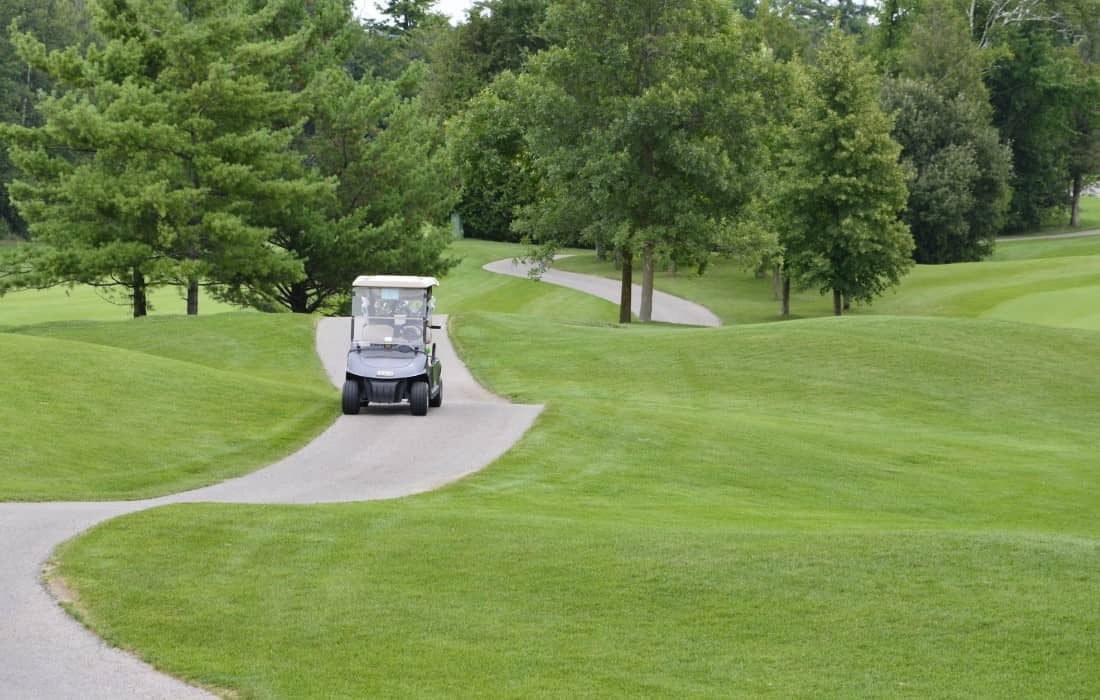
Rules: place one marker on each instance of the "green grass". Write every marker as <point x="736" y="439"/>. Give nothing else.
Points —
<point x="469" y="288"/>
<point x="86" y="303"/>
<point x="899" y="503"/>
<point x="129" y="409"/>
<point x="1066" y="272"/>
<point x="102" y="407"/>
<point x="839" y="508"/>
<point x="1055" y="248"/>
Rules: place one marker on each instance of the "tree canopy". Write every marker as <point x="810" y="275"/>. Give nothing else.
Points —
<point x="642" y="124"/>
<point x="845" y="186"/>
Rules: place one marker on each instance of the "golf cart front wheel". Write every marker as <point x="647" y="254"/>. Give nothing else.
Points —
<point x="418" y="398"/>
<point x="350" y="399"/>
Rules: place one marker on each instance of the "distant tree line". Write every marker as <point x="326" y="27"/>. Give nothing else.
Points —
<point x="270" y="150"/>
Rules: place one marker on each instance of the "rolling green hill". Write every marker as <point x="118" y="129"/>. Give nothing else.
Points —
<point x="876" y="505"/>
<point x="129" y="409"/>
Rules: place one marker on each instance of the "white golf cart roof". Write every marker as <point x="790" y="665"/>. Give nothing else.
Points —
<point x="399" y="281"/>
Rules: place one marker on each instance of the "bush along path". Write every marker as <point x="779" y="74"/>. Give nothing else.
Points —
<point x="45" y="653"/>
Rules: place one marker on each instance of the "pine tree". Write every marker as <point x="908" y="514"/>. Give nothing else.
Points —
<point x="167" y="151"/>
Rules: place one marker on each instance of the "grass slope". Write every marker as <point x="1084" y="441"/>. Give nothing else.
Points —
<point x="1066" y="271"/>
<point x="129" y="409"/>
<point x="469" y="288"/>
<point x="61" y="303"/>
<point x="829" y="508"/>
<point x="103" y="409"/>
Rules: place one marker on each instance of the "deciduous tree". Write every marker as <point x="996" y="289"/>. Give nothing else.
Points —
<point x="845" y="186"/>
<point x="642" y="119"/>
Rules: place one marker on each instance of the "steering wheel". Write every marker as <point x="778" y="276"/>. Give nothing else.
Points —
<point x="411" y="333"/>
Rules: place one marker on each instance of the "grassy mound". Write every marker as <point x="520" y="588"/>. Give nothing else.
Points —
<point x="838" y="507"/>
<point x="118" y="410"/>
<point x="1066" y="268"/>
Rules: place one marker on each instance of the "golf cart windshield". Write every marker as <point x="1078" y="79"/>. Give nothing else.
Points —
<point x="390" y="318"/>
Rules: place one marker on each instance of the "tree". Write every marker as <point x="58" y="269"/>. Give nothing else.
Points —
<point x="489" y="151"/>
<point x="845" y="188"/>
<point x="1031" y="94"/>
<point x="1084" y="109"/>
<point x="959" y="194"/>
<point x="642" y="120"/>
<point x="486" y="135"/>
<point x="394" y="193"/>
<point x="498" y="35"/>
<point x="167" y="150"/>
<point x="404" y="15"/>
<point x="59" y="23"/>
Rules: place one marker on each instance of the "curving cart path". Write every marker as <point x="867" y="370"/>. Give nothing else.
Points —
<point x="666" y="308"/>
<point x="44" y="653"/>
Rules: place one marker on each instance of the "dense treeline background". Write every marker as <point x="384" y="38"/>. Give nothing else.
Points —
<point x="270" y="150"/>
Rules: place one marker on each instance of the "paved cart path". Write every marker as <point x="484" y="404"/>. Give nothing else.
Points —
<point x="666" y="308"/>
<point x="380" y="454"/>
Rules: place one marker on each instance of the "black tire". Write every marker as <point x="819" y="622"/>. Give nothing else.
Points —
<point x="437" y="400"/>
<point x="418" y="398"/>
<point x="350" y="400"/>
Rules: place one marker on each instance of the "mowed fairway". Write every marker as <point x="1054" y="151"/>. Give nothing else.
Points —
<point x="873" y="506"/>
<point x="102" y="410"/>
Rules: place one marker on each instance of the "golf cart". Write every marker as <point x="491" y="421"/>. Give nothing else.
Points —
<point x="392" y="356"/>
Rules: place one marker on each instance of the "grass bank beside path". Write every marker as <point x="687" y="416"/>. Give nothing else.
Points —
<point x="99" y="406"/>
<point x="33" y="306"/>
<point x="876" y="505"/>
<point x="102" y="410"/>
<point x="1051" y="282"/>
<point x="469" y="288"/>
<point x="830" y="508"/>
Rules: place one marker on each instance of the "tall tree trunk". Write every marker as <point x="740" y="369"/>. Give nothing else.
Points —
<point x="192" y="296"/>
<point x="27" y="98"/>
<point x="645" y="313"/>
<point x="627" y="282"/>
<point x="785" y="305"/>
<point x="299" y="298"/>
<point x="1075" y="206"/>
<point x="838" y="303"/>
<point x="141" y="305"/>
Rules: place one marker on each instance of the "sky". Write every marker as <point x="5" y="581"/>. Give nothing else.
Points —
<point x="455" y="9"/>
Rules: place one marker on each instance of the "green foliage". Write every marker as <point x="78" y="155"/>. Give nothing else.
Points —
<point x="167" y="151"/>
<point x="845" y="187"/>
<point x="498" y="35"/>
<point x="959" y="193"/>
<point x="58" y="23"/>
<point x="1030" y="93"/>
<point x="393" y="192"/>
<point x="489" y="151"/>
<point x="486" y="135"/>
<point x="643" y="121"/>
<point x="404" y="15"/>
